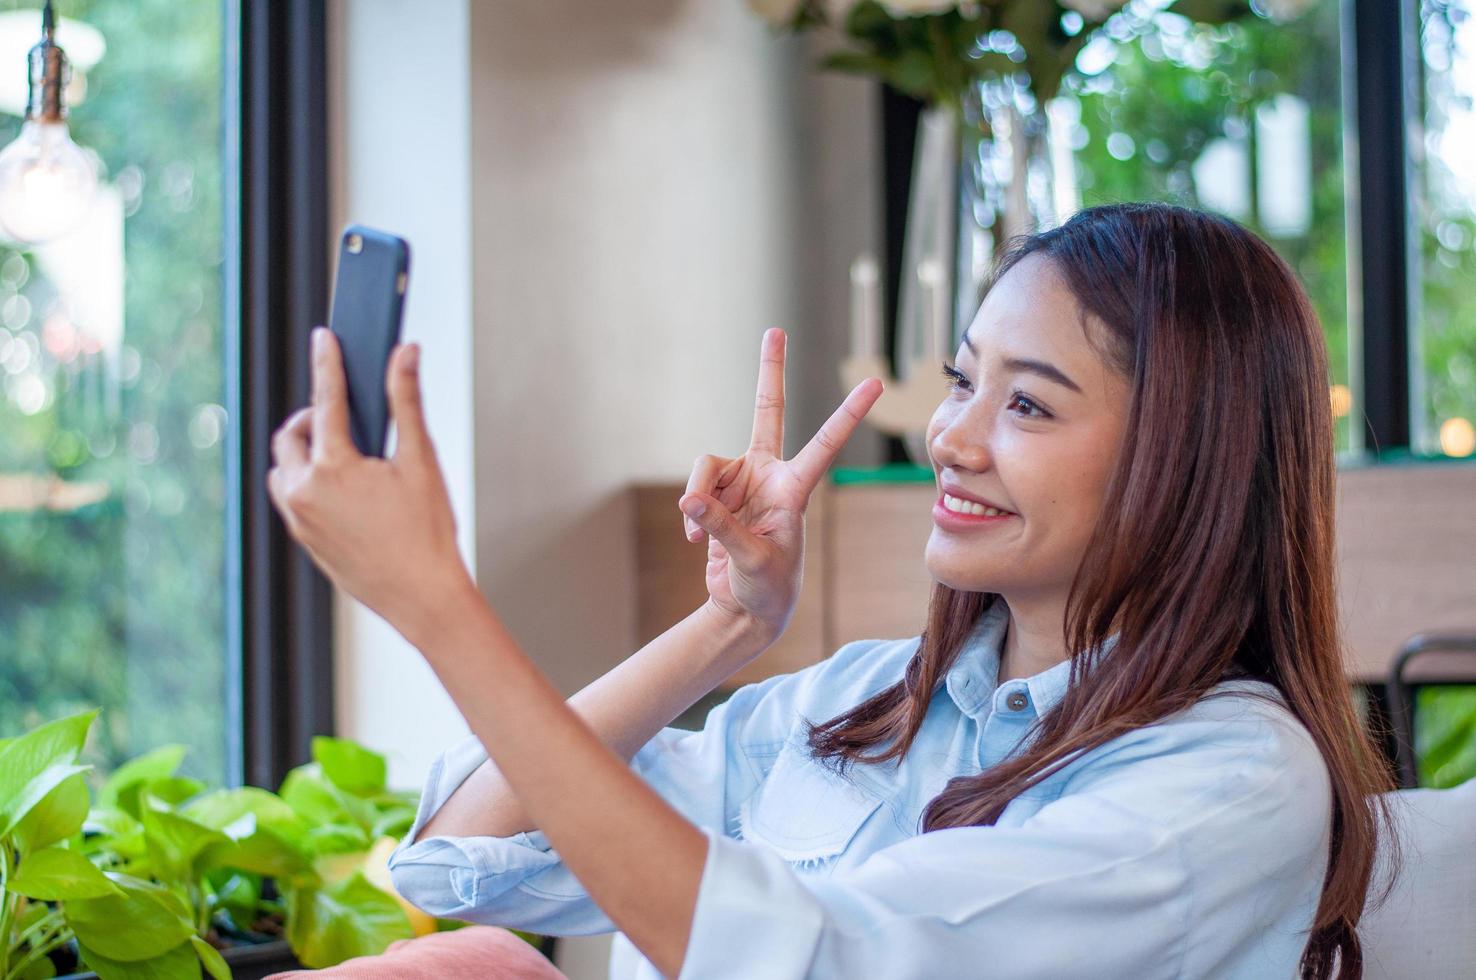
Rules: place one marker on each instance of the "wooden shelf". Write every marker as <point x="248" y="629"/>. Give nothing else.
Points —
<point x="1406" y="564"/>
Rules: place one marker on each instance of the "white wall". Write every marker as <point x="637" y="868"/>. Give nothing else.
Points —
<point x="645" y="207"/>
<point x="400" y="158"/>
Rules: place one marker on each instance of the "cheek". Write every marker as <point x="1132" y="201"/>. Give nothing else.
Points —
<point x="1073" y="481"/>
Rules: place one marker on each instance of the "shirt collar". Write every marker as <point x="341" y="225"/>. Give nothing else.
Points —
<point x="972" y="681"/>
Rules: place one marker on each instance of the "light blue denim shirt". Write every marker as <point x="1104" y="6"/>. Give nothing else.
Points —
<point x="1195" y="847"/>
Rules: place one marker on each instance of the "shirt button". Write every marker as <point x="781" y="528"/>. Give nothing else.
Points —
<point x="1017" y="700"/>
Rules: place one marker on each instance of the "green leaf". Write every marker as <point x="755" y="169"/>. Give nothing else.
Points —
<point x="154" y="764"/>
<point x="34" y="913"/>
<point x="328" y="925"/>
<point x="114" y="832"/>
<point x="263" y="852"/>
<point x="59" y="815"/>
<point x="238" y="894"/>
<point x="349" y="765"/>
<point x="319" y="802"/>
<point x="223" y="810"/>
<point x="174" y="841"/>
<point x="42" y="969"/>
<point x="34" y="764"/>
<point x="56" y="874"/>
<point x="177" y="963"/>
<point x="173" y="790"/>
<point x="393" y="823"/>
<point x="336" y="839"/>
<point x="210" y="958"/>
<point x="146" y="921"/>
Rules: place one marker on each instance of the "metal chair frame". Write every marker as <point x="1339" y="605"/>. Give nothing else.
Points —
<point x="1401" y="693"/>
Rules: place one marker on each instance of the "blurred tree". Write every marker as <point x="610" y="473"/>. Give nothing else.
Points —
<point x="119" y="603"/>
<point x="1166" y="88"/>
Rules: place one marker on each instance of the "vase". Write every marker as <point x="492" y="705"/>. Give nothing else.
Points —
<point x="983" y="172"/>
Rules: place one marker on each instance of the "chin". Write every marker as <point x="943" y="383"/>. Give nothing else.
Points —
<point x="952" y="567"/>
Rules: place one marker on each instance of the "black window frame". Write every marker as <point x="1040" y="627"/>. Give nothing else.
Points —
<point x="275" y="142"/>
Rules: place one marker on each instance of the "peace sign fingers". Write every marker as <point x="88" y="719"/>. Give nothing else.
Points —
<point x="768" y="409"/>
<point x="810" y="464"/>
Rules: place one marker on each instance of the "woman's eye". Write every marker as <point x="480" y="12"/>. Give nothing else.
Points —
<point x="956" y="379"/>
<point x="1032" y="410"/>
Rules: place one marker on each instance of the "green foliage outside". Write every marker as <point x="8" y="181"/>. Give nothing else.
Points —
<point x="120" y="604"/>
<point x="1176" y="86"/>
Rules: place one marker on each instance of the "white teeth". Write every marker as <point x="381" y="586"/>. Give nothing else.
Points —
<point x="969" y="507"/>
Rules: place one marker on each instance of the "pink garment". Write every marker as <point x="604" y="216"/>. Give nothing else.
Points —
<point x="468" y="953"/>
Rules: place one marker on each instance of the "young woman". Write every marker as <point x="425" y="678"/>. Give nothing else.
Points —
<point x="1123" y="746"/>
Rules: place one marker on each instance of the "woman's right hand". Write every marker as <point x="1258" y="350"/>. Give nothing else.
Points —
<point x="754" y="516"/>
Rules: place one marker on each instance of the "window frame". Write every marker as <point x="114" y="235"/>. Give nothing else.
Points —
<point x="280" y="618"/>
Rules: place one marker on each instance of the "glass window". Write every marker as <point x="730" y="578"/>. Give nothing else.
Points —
<point x="112" y="469"/>
<point x="1242" y="117"/>
<point x="1443" y="199"/>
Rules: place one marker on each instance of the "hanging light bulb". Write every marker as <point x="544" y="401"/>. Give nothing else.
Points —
<point x="46" y="180"/>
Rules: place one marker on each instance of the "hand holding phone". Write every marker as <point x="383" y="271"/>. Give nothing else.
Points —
<point x="365" y="315"/>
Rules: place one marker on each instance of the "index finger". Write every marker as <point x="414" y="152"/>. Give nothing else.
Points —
<point x="330" y="398"/>
<point x="768" y="408"/>
<point x="810" y="464"/>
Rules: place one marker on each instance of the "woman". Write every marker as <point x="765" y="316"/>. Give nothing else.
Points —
<point x="1123" y="746"/>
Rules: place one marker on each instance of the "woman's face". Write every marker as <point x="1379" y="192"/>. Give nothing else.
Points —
<point x="1032" y="427"/>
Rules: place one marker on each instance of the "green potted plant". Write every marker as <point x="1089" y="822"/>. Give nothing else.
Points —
<point x="163" y="877"/>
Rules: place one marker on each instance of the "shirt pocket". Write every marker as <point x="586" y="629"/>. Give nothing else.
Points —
<point x="804" y="811"/>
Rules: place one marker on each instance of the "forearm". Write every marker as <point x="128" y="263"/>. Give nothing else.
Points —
<point x="640" y="860"/>
<point x="626" y="708"/>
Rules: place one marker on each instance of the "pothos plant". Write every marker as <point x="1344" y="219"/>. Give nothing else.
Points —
<point x="159" y="872"/>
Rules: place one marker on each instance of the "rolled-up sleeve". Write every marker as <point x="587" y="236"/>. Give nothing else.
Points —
<point x="521" y="882"/>
<point x="1157" y="867"/>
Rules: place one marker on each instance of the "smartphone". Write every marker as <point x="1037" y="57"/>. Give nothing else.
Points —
<point x="364" y="314"/>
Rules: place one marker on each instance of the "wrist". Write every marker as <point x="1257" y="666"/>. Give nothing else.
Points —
<point x="738" y="630"/>
<point x="440" y="608"/>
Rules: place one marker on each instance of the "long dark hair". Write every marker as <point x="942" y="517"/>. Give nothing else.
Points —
<point x="1214" y="554"/>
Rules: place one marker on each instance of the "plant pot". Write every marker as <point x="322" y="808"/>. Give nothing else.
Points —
<point x="247" y="961"/>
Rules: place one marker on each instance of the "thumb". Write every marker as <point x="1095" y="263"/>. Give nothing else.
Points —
<point x="403" y="388"/>
<point x="710" y="515"/>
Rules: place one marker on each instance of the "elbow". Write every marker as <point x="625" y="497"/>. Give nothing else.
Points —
<point x="437" y="890"/>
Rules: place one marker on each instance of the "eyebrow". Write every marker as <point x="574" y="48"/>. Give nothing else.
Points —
<point x="1046" y="370"/>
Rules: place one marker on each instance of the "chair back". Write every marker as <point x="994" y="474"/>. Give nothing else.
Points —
<point x="1427" y="928"/>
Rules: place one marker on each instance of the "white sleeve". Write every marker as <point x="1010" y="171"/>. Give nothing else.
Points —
<point x="521" y="882"/>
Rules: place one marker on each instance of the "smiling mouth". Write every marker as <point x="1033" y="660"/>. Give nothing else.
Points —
<point x="970" y="508"/>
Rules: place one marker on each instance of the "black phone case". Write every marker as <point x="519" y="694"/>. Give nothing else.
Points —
<point x="368" y="302"/>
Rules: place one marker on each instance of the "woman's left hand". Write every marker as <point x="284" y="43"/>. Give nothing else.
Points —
<point x="380" y="529"/>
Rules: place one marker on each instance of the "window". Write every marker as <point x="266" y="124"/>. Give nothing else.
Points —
<point x="1242" y="117"/>
<point x="113" y="418"/>
<point x="1444" y="201"/>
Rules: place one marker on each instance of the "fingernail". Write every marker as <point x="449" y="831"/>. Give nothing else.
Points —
<point x="695" y="507"/>
<point x="412" y="357"/>
<point x="317" y="338"/>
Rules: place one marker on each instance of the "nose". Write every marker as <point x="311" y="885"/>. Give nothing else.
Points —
<point x="959" y="440"/>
